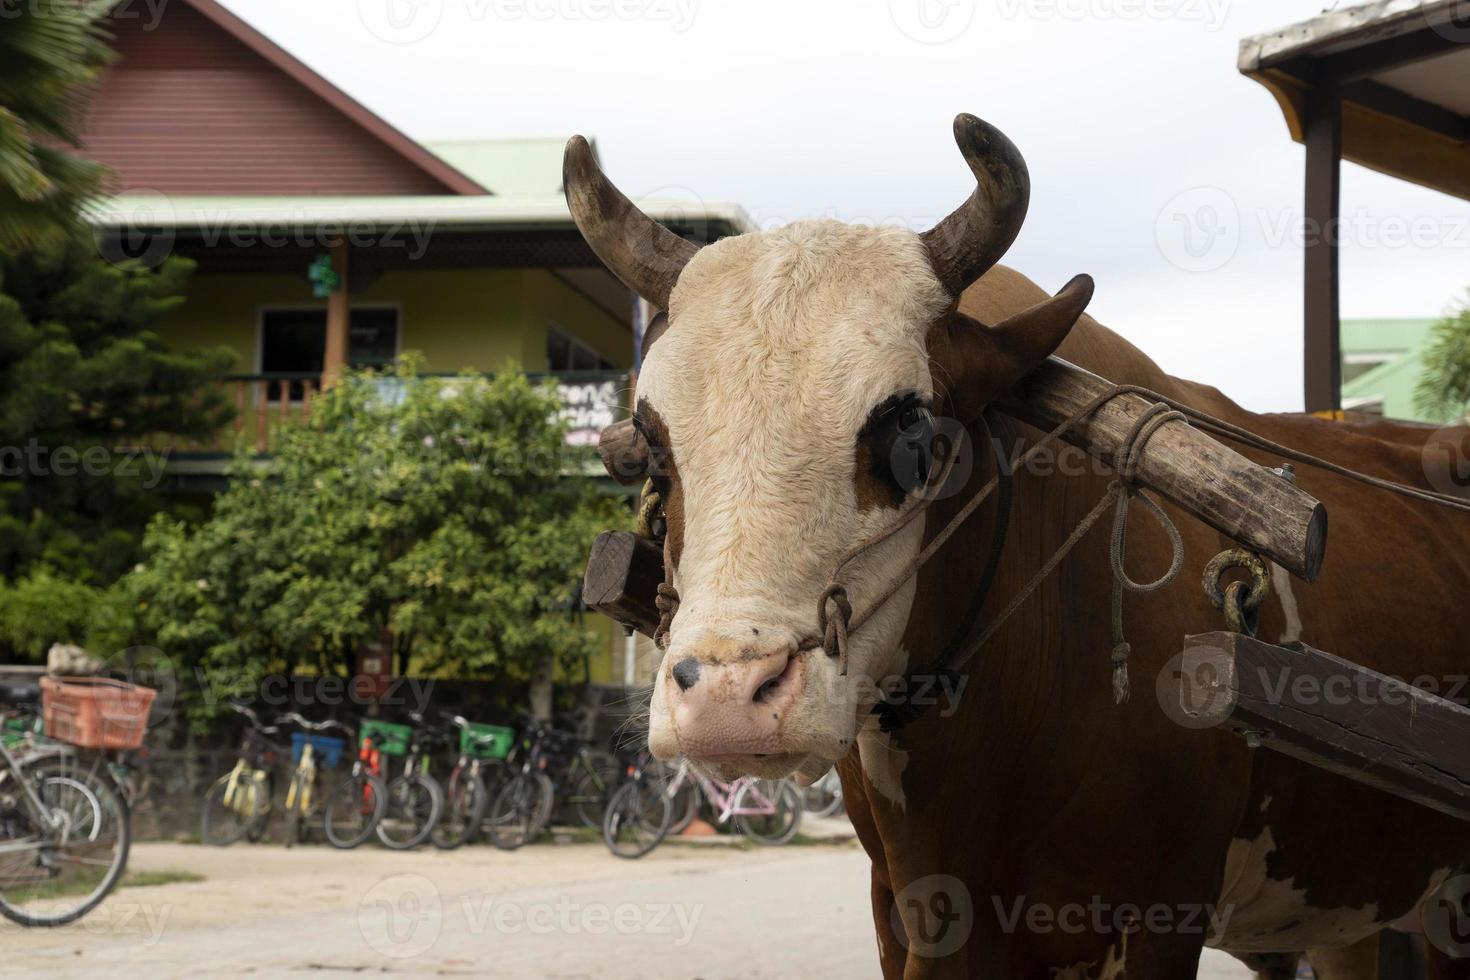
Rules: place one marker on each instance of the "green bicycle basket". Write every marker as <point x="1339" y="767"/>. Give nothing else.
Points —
<point x="393" y="739"/>
<point x="15" y="730"/>
<point x="486" y="741"/>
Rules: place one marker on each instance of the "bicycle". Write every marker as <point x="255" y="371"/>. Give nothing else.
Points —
<point x="357" y="803"/>
<point x="64" y="828"/>
<point x="304" y="748"/>
<point x="467" y="793"/>
<point x="768" y="811"/>
<point x="587" y="774"/>
<point x="637" y="815"/>
<point x="522" y="807"/>
<point x="239" y="803"/>
<point x="415" y="799"/>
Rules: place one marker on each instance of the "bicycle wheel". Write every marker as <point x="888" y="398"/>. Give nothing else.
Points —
<point x="232" y="811"/>
<point x="684" y="807"/>
<point x="636" y="819"/>
<point x="824" y="797"/>
<point x="591" y="790"/>
<point x="780" y="803"/>
<point x="58" y="865"/>
<point x="517" y="809"/>
<point x="354" y="809"/>
<point x="545" y="802"/>
<point x="295" y="811"/>
<point x="414" y="804"/>
<point x="464" y="808"/>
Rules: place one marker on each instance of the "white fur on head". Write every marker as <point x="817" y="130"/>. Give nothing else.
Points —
<point x="780" y="344"/>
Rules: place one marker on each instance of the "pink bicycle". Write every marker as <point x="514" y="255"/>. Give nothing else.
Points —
<point x="768" y="811"/>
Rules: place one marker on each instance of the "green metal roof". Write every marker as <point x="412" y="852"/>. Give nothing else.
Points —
<point x="1387" y="336"/>
<point x="508" y="167"/>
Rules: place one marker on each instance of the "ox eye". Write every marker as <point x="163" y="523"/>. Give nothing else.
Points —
<point x="900" y="436"/>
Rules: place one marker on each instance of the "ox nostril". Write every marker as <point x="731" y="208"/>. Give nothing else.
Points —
<point x="772" y="684"/>
<point x="686" y="673"/>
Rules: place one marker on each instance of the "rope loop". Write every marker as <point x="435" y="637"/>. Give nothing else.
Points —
<point x="834" y="629"/>
<point x="666" y="600"/>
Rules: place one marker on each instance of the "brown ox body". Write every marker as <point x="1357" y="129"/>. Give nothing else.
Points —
<point x="1038" y="788"/>
<point x="1032" y="827"/>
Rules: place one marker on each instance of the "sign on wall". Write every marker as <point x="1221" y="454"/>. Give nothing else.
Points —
<point x="589" y="407"/>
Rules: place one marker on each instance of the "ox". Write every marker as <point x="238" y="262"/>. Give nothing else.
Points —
<point x="1034" y="828"/>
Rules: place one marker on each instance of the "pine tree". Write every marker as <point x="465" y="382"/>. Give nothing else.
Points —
<point x="85" y="382"/>
<point x="1443" y="392"/>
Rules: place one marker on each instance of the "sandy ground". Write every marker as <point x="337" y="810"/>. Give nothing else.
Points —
<point x="561" y="911"/>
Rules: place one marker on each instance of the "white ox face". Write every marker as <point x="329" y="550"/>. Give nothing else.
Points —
<point x="788" y="393"/>
<point x="790" y="357"/>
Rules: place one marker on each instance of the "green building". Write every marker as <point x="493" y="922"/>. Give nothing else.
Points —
<point x="1381" y="364"/>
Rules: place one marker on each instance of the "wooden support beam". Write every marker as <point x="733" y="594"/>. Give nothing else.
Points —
<point x="1239" y="498"/>
<point x="339" y="317"/>
<point x="1322" y="349"/>
<point x="1332" y="714"/>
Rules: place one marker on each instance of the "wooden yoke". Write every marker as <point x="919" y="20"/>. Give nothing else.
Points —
<point x="1244" y="500"/>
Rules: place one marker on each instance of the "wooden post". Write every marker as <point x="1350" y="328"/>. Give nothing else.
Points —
<point x="339" y="315"/>
<point x="1332" y="714"/>
<point x="1322" y="350"/>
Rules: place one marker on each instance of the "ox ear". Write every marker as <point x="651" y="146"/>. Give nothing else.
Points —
<point x="985" y="361"/>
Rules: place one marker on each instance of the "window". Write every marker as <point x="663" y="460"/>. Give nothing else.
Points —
<point x="566" y="353"/>
<point x="295" y="342"/>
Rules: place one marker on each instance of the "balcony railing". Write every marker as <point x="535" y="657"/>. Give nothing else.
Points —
<point x="266" y="403"/>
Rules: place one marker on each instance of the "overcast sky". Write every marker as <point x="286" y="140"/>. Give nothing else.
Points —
<point x="1135" y="123"/>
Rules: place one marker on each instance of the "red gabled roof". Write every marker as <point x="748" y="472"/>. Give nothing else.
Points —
<point x="201" y="103"/>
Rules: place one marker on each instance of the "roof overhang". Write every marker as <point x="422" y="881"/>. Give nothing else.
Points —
<point x="329" y="215"/>
<point x="285" y="234"/>
<point x="1402" y="68"/>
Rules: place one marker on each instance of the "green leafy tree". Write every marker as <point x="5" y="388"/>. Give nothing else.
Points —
<point x="50" y="51"/>
<point x="440" y="511"/>
<point x="86" y="387"/>
<point x="1443" y="391"/>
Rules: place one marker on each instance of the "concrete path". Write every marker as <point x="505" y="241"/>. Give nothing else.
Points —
<point x="561" y="911"/>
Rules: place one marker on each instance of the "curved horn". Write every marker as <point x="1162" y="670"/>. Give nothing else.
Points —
<point x="644" y="254"/>
<point x="966" y="244"/>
